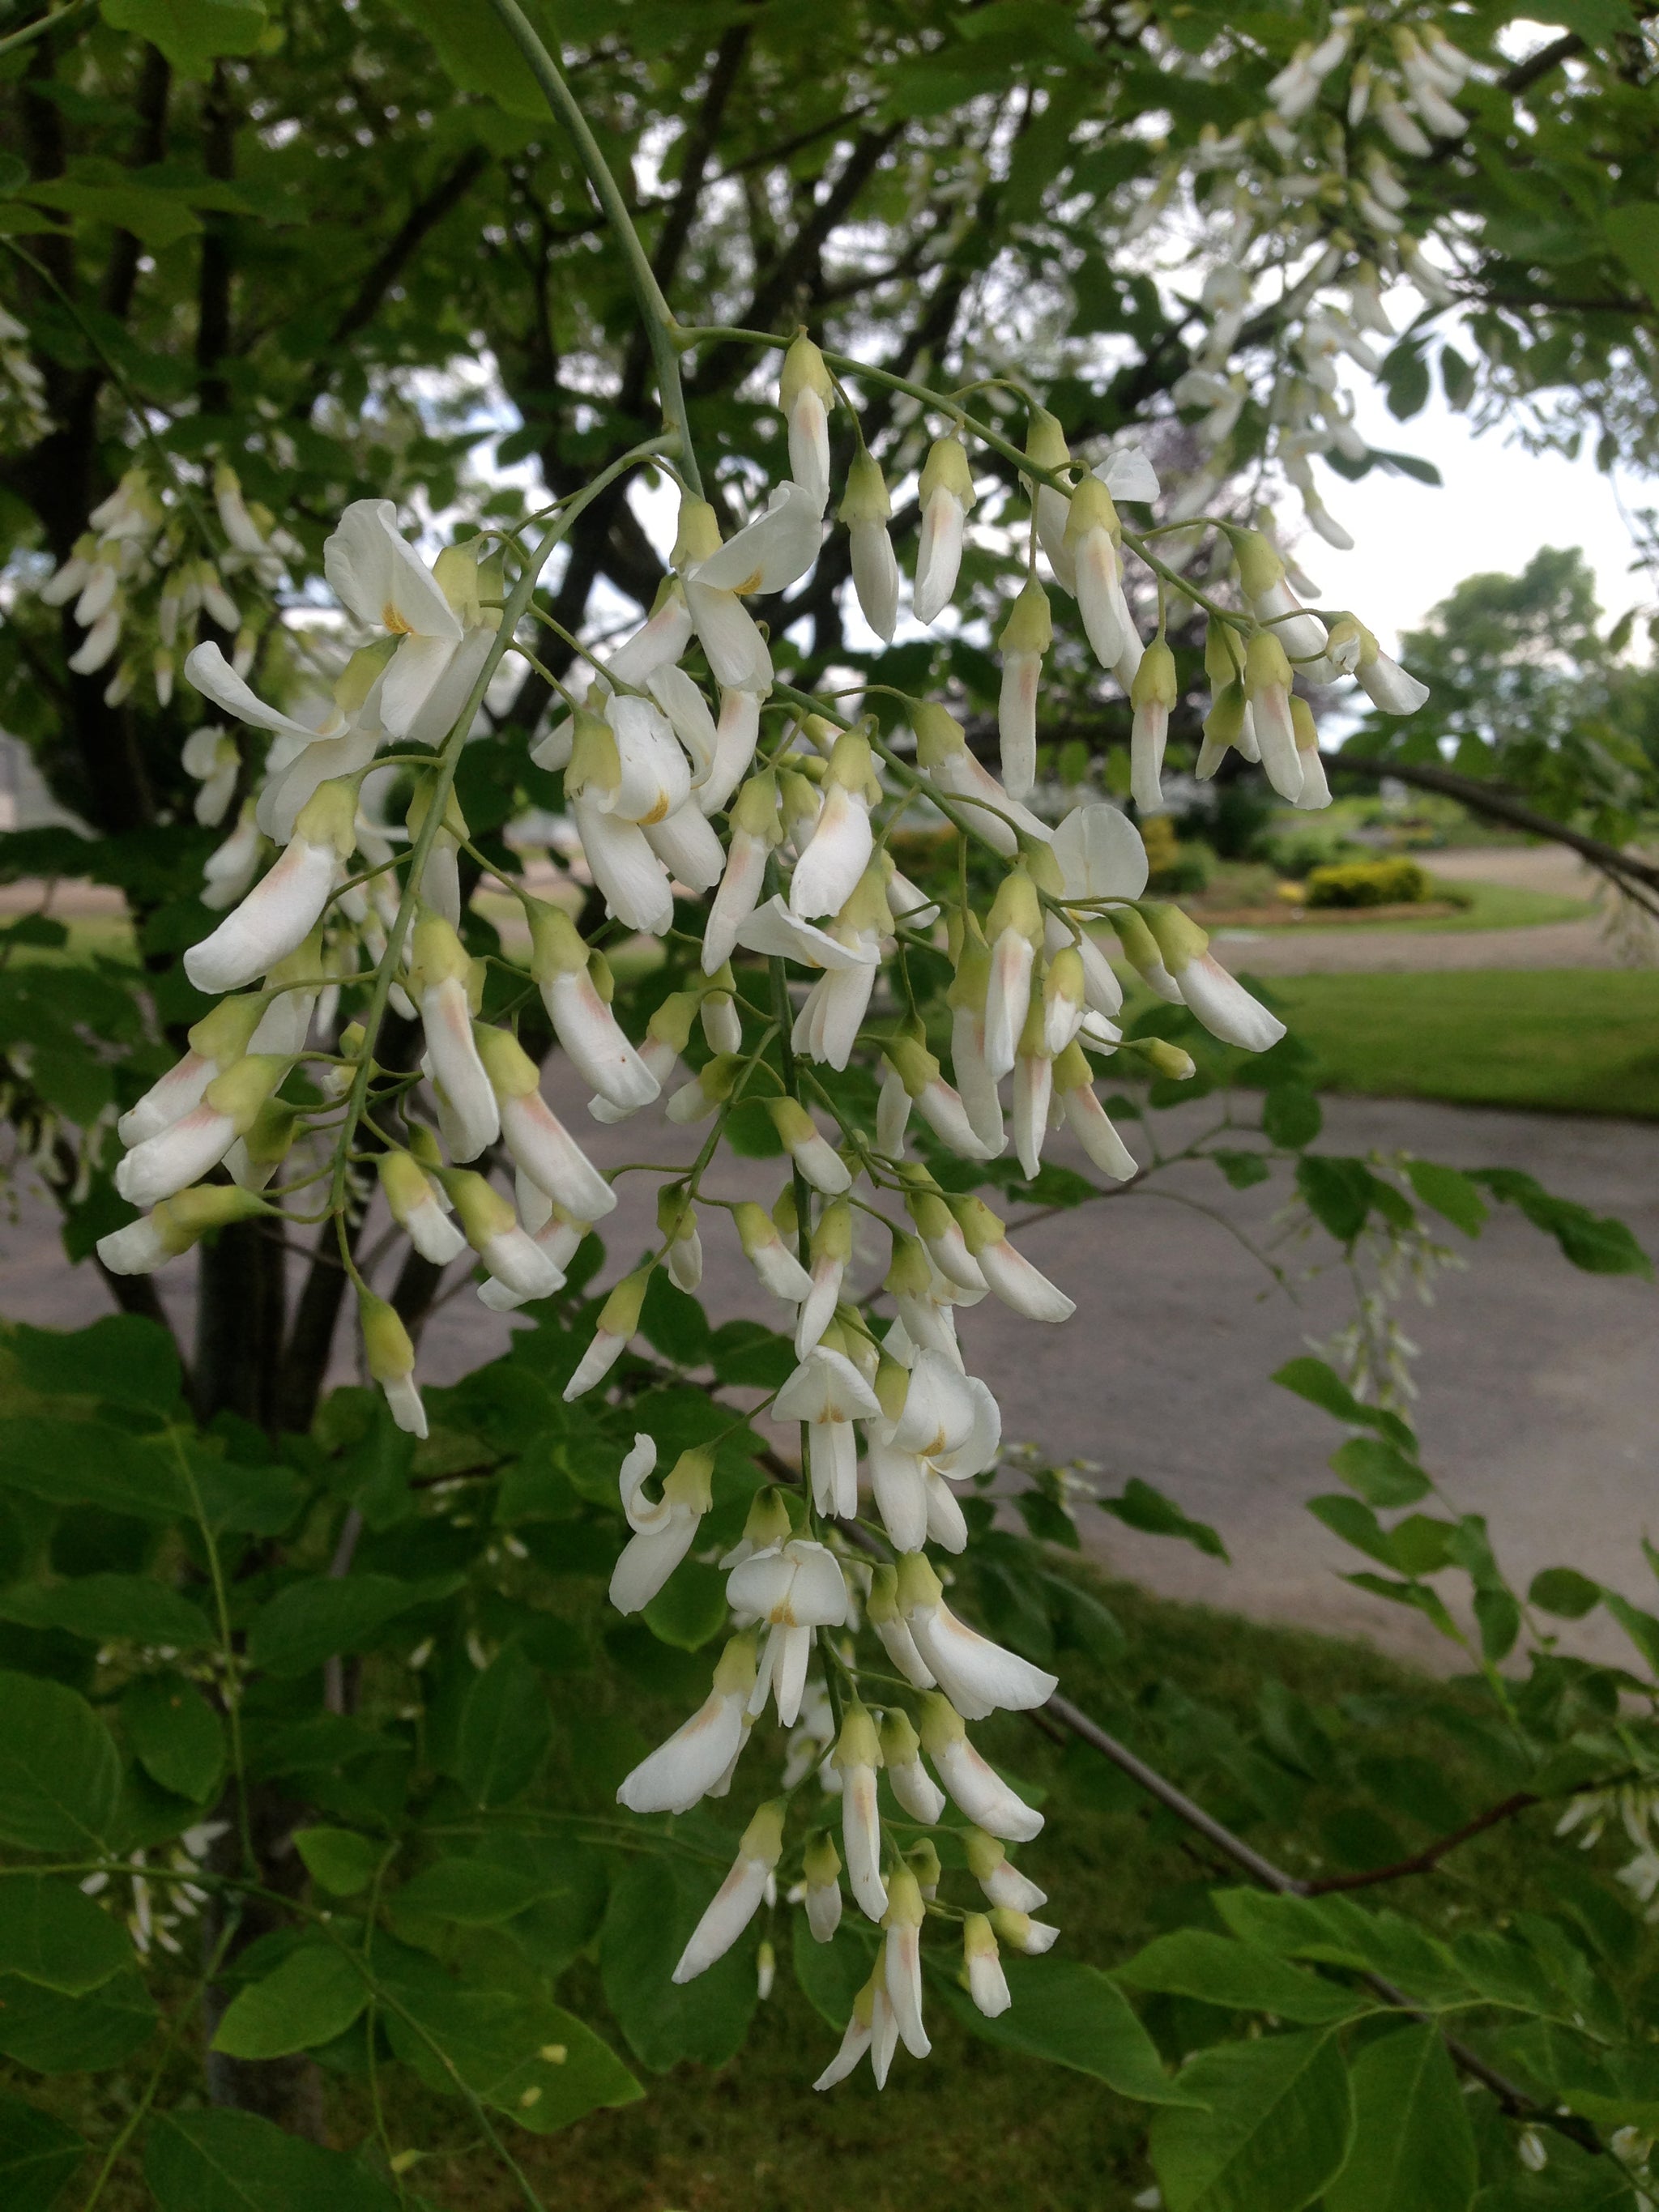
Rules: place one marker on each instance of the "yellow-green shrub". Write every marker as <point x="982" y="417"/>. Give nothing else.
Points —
<point x="1368" y="883"/>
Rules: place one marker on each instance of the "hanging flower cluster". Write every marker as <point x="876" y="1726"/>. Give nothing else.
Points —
<point x="1303" y="214"/>
<point x="701" y="790"/>
<point x="138" y="589"/>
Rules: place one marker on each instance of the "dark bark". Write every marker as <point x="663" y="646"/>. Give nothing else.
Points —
<point x="149" y="145"/>
<point x="218" y="268"/>
<point x="288" y="2091"/>
<point x="239" y="1324"/>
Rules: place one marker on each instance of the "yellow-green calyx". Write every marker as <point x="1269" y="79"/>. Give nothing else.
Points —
<point x="858" y="1744"/>
<point x="941" y="1724"/>
<point x="671" y="1023"/>
<point x="188" y="1214"/>
<point x="1045" y="441"/>
<point x="556" y="943"/>
<point x="1155" y="684"/>
<point x="734" y="1670"/>
<point x="899" y="1744"/>
<point x="977" y="1939"/>
<point x="1224" y="723"/>
<point x="892" y="1387"/>
<point x="480" y="1208"/>
<point x="699" y="532"/>
<point x="437" y="954"/>
<point x="329" y="816"/>
<point x="1302" y="722"/>
<point x="918" y="1585"/>
<point x="243" y="1089"/>
<point x="690" y="1481"/>
<point x="1259" y="567"/>
<point x="454" y="822"/>
<point x="822" y="1862"/>
<point x="928" y="1210"/>
<point x="913" y="1065"/>
<point x="972" y="980"/>
<point x="1137" y="940"/>
<point x="1166" y="1059"/>
<point x="938" y="734"/>
<point x="763" y="1838"/>
<point x="1092" y="507"/>
<point x="1266" y="665"/>
<point x="387" y="1350"/>
<point x="768" y="1523"/>
<point x="979" y="1227"/>
<point x="620" y="1314"/>
<point x="405" y="1184"/>
<point x="850" y="763"/>
<point x="867" y="496"/>
<point x="1016" y="907"/>
<point x="909" y="1275"/>
<point x="832" y="1240"/>
<point x="225" y="1033"/>
<point x="512" y="1073"/>
<point x="271" y="1137"/>
<point x="985" y="1853"/>
<point x="1177" y="937"/>
<point x="804" y="370"/>
<point x="594" y="759"/>
<point x="921" y="1858"/>
<point x="1071" y="1070"/>
<point x="1029" y="627"/>
<point x="1224" y="655"/>
<point x="867" y="910"/>
<point x="905" y="1907"/>
<point x="755" y="809"/>
<point x="882" y="1604"/>
<point x="947" y="470"/>
<point x="756" y="1230"/>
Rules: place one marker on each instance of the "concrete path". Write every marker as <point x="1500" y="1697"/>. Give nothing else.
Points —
<point x="1306" y="949"/>
<point x="1536" y="1381"/>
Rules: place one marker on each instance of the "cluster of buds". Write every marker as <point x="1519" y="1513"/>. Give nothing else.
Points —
<point x="23" y="417"/>
<point x="785" y="854"/>
<point x="137" y="589"/>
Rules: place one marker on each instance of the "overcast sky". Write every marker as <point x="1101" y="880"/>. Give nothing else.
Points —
<point x="1497" y="505"/>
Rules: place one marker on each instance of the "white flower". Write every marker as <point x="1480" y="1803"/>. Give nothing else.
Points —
<point x="1026" y="636"/>
<point x="988" y="1985"/>
<point x="777" y="1267"/>
<point x="811" y="1152"/>
<point x="978" y="1676"/>
<point x="621" y="863"/>
<point x="283" y="907"/>
<point x="688" y="848"/>
<point x="827" y="1392"/>
<point x="794" y="1587"/>
<point x="417" y="1208"/>
<point x="769" y="554"/>
<point x="1002" y="1882"/>
<point x="582" y="1022"/>
<point x="865" y="510"/>
<point x="837" y="852"/>
<point x="911" y="1783"/>
<point x="942" y="752"/>
<point x="902" y="1958"/>
<point x="186" y="1149"/>
<point x="1088" y="1119"/>
<point x="227" y="872"/>
<point x="688" y="711"/>
<point x="831" y="1250"/>
<point x="382" y="581"/>
<point x="679" y="1773"/>
<point x="974" y="1787"/>
<point x="663" y="1533"/>
<point x="823" y="1888"/>
<point x="805" y="393"/>
<point x="738" y="1897"/>
<point x="856" y="1757"/>
<point x="735" y="737"/>
<point x="946" y="493"/>
<point x="772" y="929"/>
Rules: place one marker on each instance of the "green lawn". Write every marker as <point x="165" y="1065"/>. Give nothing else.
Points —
<point x="1569" y="1040"/>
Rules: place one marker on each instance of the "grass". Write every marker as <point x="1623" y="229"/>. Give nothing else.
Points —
<point x="1575" y="1040"/>
<point x="1482" y="906"/>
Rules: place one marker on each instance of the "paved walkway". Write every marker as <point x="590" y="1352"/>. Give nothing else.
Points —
<point x="1537" y="1381"/>
<point x="1305" y="949"/>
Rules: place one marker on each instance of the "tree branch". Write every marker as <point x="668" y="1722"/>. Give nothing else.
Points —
<point x="1426" y="1861"/>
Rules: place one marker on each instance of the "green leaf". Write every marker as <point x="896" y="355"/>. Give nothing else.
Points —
<point x="1598" y="1245"/>
<point x="227" y="2161"/>
<point x="55" y="2034"/>
<point x="38" y="2156"/>
<point x="339" y="1860"/>
<point x="1195" y="1962"/>
<point x="59" y="1776"/>
<point x="520" y="2053"/>
<point x="123" y="1359"/>
<point x="1633" y="234"/>
<point x="89" y="1463"/>
<point x="1565" y="1592"/>
<point x="655" y="1906"/>
<point x="175" y="1734"/>
<point x="690" y="1608"/>
<point x="1414" y="2148"/>
<point x="1321" y="1386"/>
<point x="191" y="33"/>
<point x="312" y="1997"/>
<point x="1642" y="1628"/>
<point x="1073" y="2015"/>
<point x="505" y="1729"/>
<point x="1140" y="1506"/>
<point x="1383" y="1477"/>
<point x="1243" y="1170"/>
<point x="110" y="1609"/>
<point x="315" y="1620"/>
<point x="1277" y="2128"/>
<point x="1337" y="1193"/>
<point x="477" y="53"/>
<point x="1355" y="1524"/>
<point x="1291" y="1116"/>
<point x="472" y="1892"/>
<point x="1449" y="1194"/>
<point x="1405" y="381"/>
<point x="51" y="1935"/>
